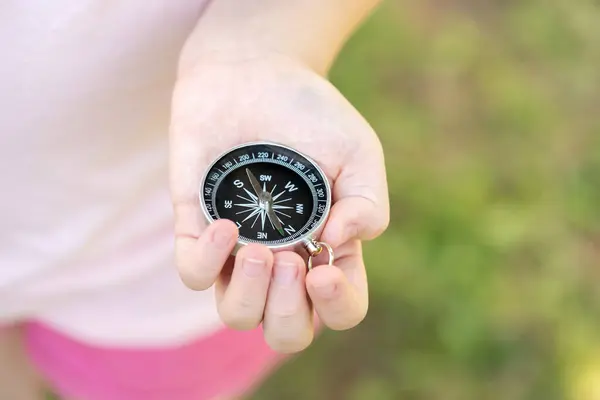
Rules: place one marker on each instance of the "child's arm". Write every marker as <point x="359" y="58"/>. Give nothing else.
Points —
<point x="312" y="31"/>
<point x="254" y="70"/>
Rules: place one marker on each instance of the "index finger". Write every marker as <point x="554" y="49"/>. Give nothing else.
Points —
<point x="200" y="260"/>
<point x="361" y="202"/>
<point x="190" y="154"/>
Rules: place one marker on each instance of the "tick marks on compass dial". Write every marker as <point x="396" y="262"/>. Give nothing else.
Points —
<point x="273" y="197"/>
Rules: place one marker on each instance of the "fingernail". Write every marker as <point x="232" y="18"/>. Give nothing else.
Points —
<point x="253" y="267"/>
<point x="222" y="238"/>
<point x="285" y="273"/>
<point x="326" y="291"/>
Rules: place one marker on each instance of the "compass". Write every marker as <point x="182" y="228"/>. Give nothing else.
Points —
<point x="275" y="195"/>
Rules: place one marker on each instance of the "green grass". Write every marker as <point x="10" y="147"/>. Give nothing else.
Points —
<point x="485" y="285"/>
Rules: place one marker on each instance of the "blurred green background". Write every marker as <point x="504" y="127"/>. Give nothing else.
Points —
<point x="485" y="285"/>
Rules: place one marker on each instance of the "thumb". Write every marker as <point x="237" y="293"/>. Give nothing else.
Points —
<point x="361" y="204"/>
<point x="355" y="218"/>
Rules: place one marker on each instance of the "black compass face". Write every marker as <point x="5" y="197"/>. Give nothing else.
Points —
<point x="274" y="194"/>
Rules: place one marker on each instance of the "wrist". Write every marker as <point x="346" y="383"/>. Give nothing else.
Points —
<point x="312" y="32"/>
<point x="238" y="49"/>
<point x="231" y="52"/>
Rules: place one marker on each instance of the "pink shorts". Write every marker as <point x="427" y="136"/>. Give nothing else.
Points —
<point x="225" y="364"/>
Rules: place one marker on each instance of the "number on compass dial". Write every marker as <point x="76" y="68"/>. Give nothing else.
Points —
<point x="275" y="195"/>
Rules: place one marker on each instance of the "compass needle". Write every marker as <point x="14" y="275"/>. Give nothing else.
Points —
<point x="254" y="182"/>
<point x="273" y="218"/>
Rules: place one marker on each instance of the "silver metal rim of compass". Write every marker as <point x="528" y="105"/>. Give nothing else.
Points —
<point x="304" y="242"/>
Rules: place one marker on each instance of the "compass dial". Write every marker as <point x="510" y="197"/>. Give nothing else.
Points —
<point x="275" y="195"/>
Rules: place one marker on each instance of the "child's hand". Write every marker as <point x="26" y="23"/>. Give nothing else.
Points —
<point x="219" y="105"/>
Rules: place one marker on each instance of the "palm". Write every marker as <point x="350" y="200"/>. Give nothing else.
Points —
<point x="222" y="106"/>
